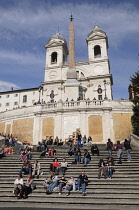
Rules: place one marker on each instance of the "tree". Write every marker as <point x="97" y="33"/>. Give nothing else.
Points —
<point x="135" y="118"/>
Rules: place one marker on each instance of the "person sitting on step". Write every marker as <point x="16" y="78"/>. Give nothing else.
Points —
<point x="70" y="185"/>
<point x="2" y="153"/>
<point x="54" y="166"/>
<point x="110" y="167"/>
<point x="64" y="166"/>
<point x="36" y="169"/>
<point x="28" y="187"/>
<point x="26" y="167"/>
<point x="43" y="153"/>
<point x="94" y="150"/>
<point x="87" y="157"/>
<point x="70" y="151"/>
<point x="82" y="182"/>
<point x="102" y="169"/>
<point x="62" y="183"/>
<point x="53" y="182"/>
<point x="18" y="185"/>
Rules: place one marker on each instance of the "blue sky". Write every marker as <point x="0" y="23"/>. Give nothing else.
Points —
<point x="27" y="25"/>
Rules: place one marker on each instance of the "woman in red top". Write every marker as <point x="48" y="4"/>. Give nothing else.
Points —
<point x="55" y="166"/>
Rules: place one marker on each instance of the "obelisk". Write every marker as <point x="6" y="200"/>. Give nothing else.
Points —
<point x="71" y="72"/>
<point x="71" y="84"/>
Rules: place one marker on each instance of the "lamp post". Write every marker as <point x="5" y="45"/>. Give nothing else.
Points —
<point x="40" y="88"/>
<point x="105" y="98"/>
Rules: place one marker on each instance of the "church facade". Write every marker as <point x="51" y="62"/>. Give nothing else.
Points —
<point x="74" y="95"/>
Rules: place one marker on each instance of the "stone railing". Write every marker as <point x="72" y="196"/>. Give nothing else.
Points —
<point x="30" y="111"/>
<point x="72" y="104"/>
<point x="134" y="139"/>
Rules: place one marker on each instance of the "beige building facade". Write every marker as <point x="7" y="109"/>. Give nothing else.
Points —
<point x="73" y="95"/>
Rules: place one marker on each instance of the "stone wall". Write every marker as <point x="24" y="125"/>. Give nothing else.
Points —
<point x="47" y="127"/>
<point x="2" y="127"/>
<point x="122" y="125"/>
<point x="95" y="128"/>
<point x="134" y="139"/>
<point x="8" y="129"/>
<point x="23" y="129"/>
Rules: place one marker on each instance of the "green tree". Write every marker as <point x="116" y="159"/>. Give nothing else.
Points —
<point x="135" y="118"/>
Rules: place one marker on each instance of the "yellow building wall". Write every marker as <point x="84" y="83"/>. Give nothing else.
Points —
<point x="47" y="127"/>
<point x="23" y="129"/>
<point x="2" y="127"/>
<point x="122" y="125"/>
<point x="8" y="129"/>
<point x="95" y="128"/>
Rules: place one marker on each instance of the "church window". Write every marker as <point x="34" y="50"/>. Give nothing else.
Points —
<point x="54" y="57"/>
<point x="99" y="97"/>
<point x="97" y="51"/>
<point x="8" y="104"/>
<point x="99" y="90"/>
<point x="24" y="98"/>
<point x="15" y="103"/>
<point x="15" y="95"/>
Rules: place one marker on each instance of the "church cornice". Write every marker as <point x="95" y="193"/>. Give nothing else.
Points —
<point x="97" y="77"/>
<point x="53" y="82"/>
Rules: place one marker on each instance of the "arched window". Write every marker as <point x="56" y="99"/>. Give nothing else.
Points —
<point x="24" y="98"/>
<point x="97" y="51"/>
<point x="54" y="57"/>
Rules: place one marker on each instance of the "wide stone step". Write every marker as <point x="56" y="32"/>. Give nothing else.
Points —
<point x="90" y="195"/>
<point x="73" y="200"/>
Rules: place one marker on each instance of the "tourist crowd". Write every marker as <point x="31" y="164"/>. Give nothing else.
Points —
<point x="81" y="156"/>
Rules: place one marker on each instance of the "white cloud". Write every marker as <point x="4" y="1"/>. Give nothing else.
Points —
<point x="6" y="86"/>
<point x="20" y="58"/>
<point x="119" y="20"/>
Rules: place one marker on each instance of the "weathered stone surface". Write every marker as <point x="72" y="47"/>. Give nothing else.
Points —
<point x="8" y="129"/>
<point x="23" y="129"/>
<point x="47" y="127"/>
<point x="2" y="126"/>
<point x="122" y="125"/>
<point x="95" y="128"/>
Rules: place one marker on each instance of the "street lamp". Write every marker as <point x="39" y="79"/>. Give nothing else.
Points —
<point x="105" y="98"/>
<point x="40" y="88"/>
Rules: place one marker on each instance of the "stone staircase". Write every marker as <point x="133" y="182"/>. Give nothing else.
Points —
<point x="118" y="193"/>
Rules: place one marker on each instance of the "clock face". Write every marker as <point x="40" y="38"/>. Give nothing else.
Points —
<point x="53" y="75"/>
<point x="98" y="69"/>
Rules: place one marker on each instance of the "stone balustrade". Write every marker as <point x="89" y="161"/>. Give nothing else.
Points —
<point x="30" y="111"/>
<point x="72" y="104"/>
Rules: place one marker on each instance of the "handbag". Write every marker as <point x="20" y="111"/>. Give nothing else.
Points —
<point x="113" y="149"/>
